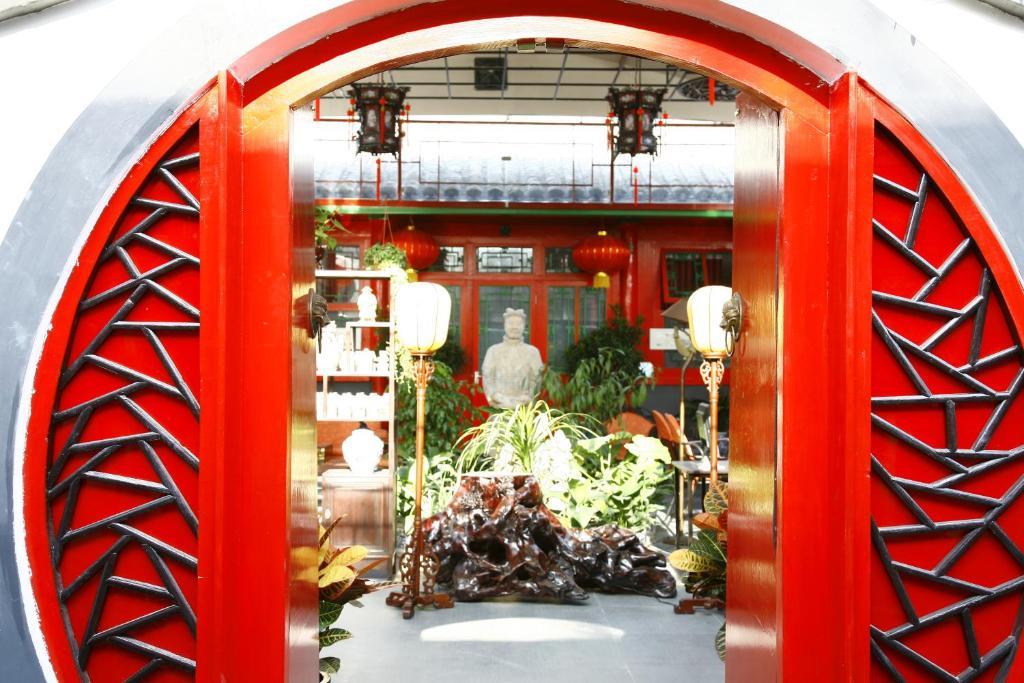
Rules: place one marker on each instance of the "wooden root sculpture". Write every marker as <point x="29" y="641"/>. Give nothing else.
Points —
<point x="497" y="538"/>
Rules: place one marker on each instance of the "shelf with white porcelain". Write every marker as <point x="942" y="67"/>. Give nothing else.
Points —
<point x="357" y="324"/>
<point x="343" y="274"/>
<point x="338" y="374"/>
<point x="340" y="470"/>
<point x="366" y="502"/>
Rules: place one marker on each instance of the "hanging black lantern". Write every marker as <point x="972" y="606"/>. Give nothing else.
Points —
<point x="379" y="108"/>
<point x="637" y="112"/>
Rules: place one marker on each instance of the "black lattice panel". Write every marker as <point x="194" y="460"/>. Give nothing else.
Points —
<point x="122" y="479"/>
<point x="947" y="443"/>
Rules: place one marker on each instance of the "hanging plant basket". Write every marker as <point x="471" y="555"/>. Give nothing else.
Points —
<point x="382" y="256"/>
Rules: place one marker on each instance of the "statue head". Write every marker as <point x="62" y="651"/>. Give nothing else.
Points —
<point x="515" y="323"/>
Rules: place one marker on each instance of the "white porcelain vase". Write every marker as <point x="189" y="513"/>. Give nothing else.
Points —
<point x="329" y="350"/>
<point x="367" y="303"/>
<point x="362" y="450"/>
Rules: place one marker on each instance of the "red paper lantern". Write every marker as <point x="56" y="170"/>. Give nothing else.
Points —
<point x="601" y="255"/>
<point x="420" y="248"/>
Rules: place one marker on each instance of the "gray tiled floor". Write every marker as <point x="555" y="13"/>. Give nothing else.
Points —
<point x="618" y="638"/>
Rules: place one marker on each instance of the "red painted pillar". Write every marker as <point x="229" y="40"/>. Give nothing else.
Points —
<point x="631" y="276"/>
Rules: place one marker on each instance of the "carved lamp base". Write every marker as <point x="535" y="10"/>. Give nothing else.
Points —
<point x="687" y="606"/>
<point x="419" y="572"/>
<point x="408" y="602"/>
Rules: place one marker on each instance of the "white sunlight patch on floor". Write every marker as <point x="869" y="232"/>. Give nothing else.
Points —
<point x="519" y="630"/>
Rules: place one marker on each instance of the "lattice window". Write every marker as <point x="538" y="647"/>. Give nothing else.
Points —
<point x="947" y="442"/>
<point x="559" y="260"/>
<point x="450" y="260"/>
<point x="122" y="481"/>
<point x="504" y="259"/>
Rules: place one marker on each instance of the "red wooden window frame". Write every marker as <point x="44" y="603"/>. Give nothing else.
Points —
<point x="470" y="280"/>
<point x="666" y="297"/>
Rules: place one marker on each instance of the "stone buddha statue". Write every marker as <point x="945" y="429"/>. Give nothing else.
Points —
<point x="511" y="369"/>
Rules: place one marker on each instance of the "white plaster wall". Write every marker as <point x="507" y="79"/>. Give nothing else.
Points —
<point x="984" y="45"/>
<point x="54" y="63"/>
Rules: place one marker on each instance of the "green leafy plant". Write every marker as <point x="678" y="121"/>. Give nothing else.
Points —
<point x="439" y="480"/>
<point x="340" y="583"/>
<point x="326" y="224"/>
<point x="453" y="355"/>
<point x="532" y="438"/>
<point x="619" y="333"/>
<point x="449" y="412"/>
<point x="510" y="439"/>
<point x="587" y="480"/>
<point x="601" y="386"/>
<point x="705" y="561"/>
<point x="385" y="255"/>
<point x="610" y="488"/>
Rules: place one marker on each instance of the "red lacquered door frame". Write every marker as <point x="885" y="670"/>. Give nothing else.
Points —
<point x="751" y="641"/>
<point x="798" y="467"/>
<point x="817" y="608"/>
<point x="260" y="392"/>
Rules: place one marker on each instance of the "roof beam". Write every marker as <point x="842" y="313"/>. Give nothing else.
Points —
<point x="561" y="72"/>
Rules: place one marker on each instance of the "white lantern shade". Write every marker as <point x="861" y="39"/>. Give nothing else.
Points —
<point x="704" y="313"/>
<point x="421" y="312"/>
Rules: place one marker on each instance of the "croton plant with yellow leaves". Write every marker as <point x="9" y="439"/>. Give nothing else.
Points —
<point x="704" y="561"/>
<point x="340" y="583"/>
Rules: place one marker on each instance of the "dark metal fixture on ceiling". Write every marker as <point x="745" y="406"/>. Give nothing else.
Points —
<point x="699" y="89"/>
<point x="489" y="73"/>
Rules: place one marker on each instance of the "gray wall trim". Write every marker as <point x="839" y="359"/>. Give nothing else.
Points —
<point x="16" y="8"/>
<point x="112" y="133"/>
<point x="1014" y="7"/>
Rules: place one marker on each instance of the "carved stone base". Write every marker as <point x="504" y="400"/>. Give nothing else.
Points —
<point x="497" y="538"/>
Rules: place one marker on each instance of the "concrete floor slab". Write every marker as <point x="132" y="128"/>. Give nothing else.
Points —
<point x="613" y="638"/>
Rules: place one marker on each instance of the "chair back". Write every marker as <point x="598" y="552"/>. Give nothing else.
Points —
<point x="634" y="423"/>
<point x="704" y="422"/>
<point x="665" y="431"/>
<point x="677" y="429"/>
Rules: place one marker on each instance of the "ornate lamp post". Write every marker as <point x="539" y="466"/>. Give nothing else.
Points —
<point x="714" y="313"/>
<point x="421" y="312"/>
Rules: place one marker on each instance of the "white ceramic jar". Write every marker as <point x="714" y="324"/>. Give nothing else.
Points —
<point x="329" y="350"/>
<point x="362" y="450"/>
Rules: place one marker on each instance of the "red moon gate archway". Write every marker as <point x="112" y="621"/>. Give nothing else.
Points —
<point x="170" y="479"/>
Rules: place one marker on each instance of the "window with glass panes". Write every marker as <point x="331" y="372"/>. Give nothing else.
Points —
<point x="486" y="279"/>
<point x="455" y="321"/>
<point x="683" y="272"/>
<point x="572" y="312"/>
